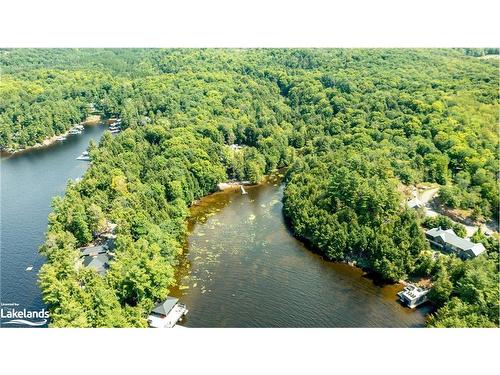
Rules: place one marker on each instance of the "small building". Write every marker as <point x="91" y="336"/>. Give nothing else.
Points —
<point x="99" y="263"/>
<point x="415" y="203"/>
<point x="413" y="296"/>
<point x="167" y="313"/>
<point x="447" y="240"/>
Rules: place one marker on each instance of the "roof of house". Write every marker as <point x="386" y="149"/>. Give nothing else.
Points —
<point x="449" y="237"/>
<point x="438" y="232"/>
<point x="477" y="249"/>
<point x="164" y="307"/>
<point x="111" y="243"/>
<point x="90" y="250"/>
<point x="99" y="263"/>
<point x="415" y="202"/>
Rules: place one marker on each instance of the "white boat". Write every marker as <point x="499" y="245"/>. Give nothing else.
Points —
<point x="84" y="156"/>
<point x="61" y="138"/>
<point x="75" y="131"/>
<point x="79" y="127"/>
<point x="114" y="131"/>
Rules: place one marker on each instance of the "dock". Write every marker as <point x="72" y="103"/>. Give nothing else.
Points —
<point x="175" y="315"/>
<point x="243" y="191"/>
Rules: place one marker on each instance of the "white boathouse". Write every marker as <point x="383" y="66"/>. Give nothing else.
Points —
<point x="413" y="296"/>
<point x="167" y="313"/>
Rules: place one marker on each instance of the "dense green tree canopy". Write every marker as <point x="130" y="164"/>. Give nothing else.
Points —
<point x="352" y="125"/>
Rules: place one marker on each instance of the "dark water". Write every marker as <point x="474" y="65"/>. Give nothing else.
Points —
<point x="242" y="268"/>
<point x="29" y="181"/>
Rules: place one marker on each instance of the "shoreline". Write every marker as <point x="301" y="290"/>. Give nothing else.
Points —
<point x="228" y="201"/>
<point x="229" y="185"/>
<point x="224" y="187"/>
<point x="91" y="120"/>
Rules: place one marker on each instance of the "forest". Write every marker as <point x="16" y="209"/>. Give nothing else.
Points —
<point x="352" y="126"/>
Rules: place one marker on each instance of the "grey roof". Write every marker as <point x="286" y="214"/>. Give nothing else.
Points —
<point x="477" y="249"/>
<point x="163" y="308"/>
<point x="436" y="232"/>
<point x="99" y="263"/>
<point x="90" y="250"/>
<point x="449" y="237"/>
<point x="460" y="243"/>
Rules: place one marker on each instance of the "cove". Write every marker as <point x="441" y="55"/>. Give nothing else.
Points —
<point x="243" y="268"/>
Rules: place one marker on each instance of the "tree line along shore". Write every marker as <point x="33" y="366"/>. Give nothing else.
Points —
<point x="92" y="119"/>
<point x="350" y="125"/>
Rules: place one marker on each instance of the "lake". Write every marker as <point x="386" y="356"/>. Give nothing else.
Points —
<point x="28" y="182"/>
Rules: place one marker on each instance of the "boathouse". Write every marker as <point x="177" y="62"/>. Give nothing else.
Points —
<point x="167" y="313"/>
<point x="413" y="296"/>
<point x="447" y="240"/>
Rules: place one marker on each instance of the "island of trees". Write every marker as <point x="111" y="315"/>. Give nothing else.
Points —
<point x="352" y="126"/>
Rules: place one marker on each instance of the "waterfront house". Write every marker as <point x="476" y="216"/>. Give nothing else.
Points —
<point x="413" y="296"/>
<point x="108" y="245"/>
<point x="93" y="250"/>
<point x="98" y="255"/>
<point x="99" y="263"/>
<point x="167" y="313"/>
<point x="446" y="240"/>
